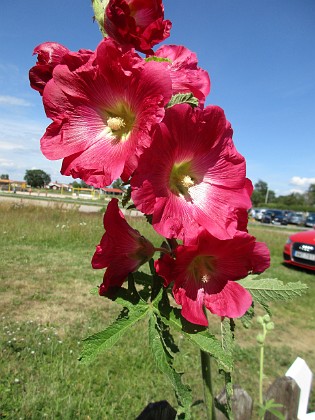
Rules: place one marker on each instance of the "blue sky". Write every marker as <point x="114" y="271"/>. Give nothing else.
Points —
<point x="260" y="56"/>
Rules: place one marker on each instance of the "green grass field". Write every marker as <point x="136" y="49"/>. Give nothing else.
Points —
<point x="47" y="309"/>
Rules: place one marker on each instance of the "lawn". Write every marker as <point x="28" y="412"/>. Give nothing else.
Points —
<point x="47" y="308"/>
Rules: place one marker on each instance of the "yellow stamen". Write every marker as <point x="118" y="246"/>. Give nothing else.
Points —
<point x="187" y="181"/>
<point x="116" y="123"/>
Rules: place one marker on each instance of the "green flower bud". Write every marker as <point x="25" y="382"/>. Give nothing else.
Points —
<point x="260" y="338"/>
<point x="270" y="326"/>
<point x="99" y="7"/>
<point x="266" y="318"/>
<point x="260" y="320"/>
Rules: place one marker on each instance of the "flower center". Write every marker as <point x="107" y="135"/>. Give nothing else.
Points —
<point x="120" y="120"/>
<point x="202" y="268"/>
<point x="181" y="179"/>
<point x="116" y="123"/>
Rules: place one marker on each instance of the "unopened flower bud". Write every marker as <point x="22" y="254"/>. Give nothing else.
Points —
<point x="266" y="318"/>
<point x="260" y="320"/>
<point x="260" y="339"/>
<point x="270" y="326"/>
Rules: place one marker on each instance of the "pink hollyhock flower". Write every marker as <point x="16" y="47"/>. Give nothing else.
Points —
<point x="122" y="249"/>
<point x="198" y="180"/>
<point x="102" y="112"/>
<point x="204" y="274"/>
<point x="49" y="54"/>
<point x="185" y="74"/>
<point x="137" y="23"/>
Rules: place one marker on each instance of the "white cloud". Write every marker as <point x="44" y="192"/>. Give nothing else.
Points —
<point x="302" y="181"/>
<point x="13" y="101"/>
<point x="6" y="163"/>
<point x="4" y="145"/>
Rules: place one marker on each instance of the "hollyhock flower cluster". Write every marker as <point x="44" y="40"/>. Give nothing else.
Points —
<point x="113" y="115"/>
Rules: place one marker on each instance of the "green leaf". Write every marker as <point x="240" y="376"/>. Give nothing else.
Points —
<point x="227" y="333"/>
<point x="99" y="7"/>
<point x="247" y="318"/>
<point x="269" y="290"/>
<point x="105" y="339"/>
<point x="126" y="197"/>
<point x="157" y="59"/>
<point x="183" y="98"/>
<point x="164" y="362"/>
<point x="270" y="406"/>
<point x="195" y="333"/>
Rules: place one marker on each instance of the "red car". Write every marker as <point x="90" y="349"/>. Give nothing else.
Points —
<point x="299" y="250"/>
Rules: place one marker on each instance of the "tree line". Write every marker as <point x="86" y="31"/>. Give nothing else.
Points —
<point x="264" y="197"/>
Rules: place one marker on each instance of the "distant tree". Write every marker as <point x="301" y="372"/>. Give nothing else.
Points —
<point x="84" y="185"/>
<point x="261" y="187"/>
<point x="291" y="200"/>
<point x="76" y="184"/>
<point x="310" y="195"/>
<point x="4" y="176"/>
<point x="118" y="184"/>
<point x="36" y="178"/>
<point x="80" y="184"/>
<point x="262" y="194"/>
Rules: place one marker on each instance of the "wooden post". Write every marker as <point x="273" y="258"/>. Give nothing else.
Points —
<point x="284" y="391"/>
<point x="241" y="403"/>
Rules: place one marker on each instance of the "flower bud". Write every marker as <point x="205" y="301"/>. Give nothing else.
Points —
<point x="270" y="326"/>
<point x="260" y="320"/>
<point x="266" y="318"/>
<point x="260" y="339"/>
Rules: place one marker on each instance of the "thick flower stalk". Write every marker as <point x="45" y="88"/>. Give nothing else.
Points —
<point x="136" y="23"/>
<point x="122" y="249"/>
<point x="204" y="273"/>
<point x="186" y="76"/>
<point x="198" y="180"/>
<point x="102" y="112"/>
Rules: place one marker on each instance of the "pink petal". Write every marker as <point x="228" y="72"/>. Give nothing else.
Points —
<point x="192" y="308"/>
<point x="233" y="301"/>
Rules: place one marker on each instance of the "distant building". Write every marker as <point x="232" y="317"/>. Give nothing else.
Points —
<point x="9" y="185"/>
<point x="57" y="186"/>
<point x="112" y="191"/>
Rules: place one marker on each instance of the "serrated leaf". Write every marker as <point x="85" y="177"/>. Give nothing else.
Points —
<point x="196" y="334"/>
<point x="126" y="196"/>
<point x="227" y="333"/>
<point x="269" y="290"/>
<point x="164" y="362"/>
<point x="183" y="98"/>
<point x="105" y="339"/>
<point x="157" y="59"/>
<point x="99" y="7"/>
<point x="247" y="318"/>
<point x="166" y="336"/>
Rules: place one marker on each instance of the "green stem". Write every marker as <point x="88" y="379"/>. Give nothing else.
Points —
<point x="207" y="384"/>
<point x="261" y="374"/>
<point x="261" y="367"/>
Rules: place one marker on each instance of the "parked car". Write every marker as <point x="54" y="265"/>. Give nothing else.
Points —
<point x="310" y="220"/>
<point x="299" y="250"/>
<point x="259" y="213"/>
<point x="275" y="217"/>
<point x="295" y="218"/>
